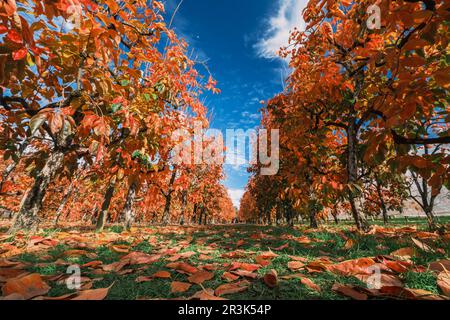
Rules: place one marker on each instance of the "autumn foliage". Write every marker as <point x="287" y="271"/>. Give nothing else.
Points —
<point x="91" y="92"/>
<point x="362" y="107"/>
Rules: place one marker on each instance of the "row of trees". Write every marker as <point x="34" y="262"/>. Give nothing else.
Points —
<point x="364" y="118"/>
<point x="91" y="92"/>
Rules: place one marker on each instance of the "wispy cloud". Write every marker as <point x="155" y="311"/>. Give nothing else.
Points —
<point x="236" y="196"/>
<point x="286" y="18"/>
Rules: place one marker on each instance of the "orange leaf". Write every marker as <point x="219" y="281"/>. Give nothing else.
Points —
<point x="177" y="286"/>
<point x="230" y="288"/>
<point x="271" y="278"/>
<point x="200" y="277"/>
<point x="28" y="286"/>
<point x="309" y="283"/>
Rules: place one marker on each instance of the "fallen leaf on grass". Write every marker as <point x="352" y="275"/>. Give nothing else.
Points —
<point x="295" y="265"/>
<point x="92" y="264"/>
<point x="405" y="253"/>
<point x="440" y="265"/>
<point x="384" y="280"/>
<point x="271" y="278"/>
<point x="422" y="246"/>
<point x="245" y="266"/>
<point x="182" y="267"/>
<point x="229" y="276"/>
<point x="94" y="294"/>
<point x="161" y="274"/>
<point x="28" y="286"/>
<point x="140" y="258"/>
<point x="200" y="277"/>
<point x="443" y="282"/>
<point x="309" y="283"/>
<point x="177" y="287"/>
<point x="230" y="288"/>
<point x="206" y="294"/>
<point x="246" y="274"/>
<point x="284" y="246"/>
<point x="352" y="267"/>
<point x="349" y="291"/>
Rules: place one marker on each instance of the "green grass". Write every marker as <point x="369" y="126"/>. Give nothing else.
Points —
<point x="223" y="239"/>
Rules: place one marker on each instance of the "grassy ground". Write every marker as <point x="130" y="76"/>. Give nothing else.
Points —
<point x="244" y="241"/>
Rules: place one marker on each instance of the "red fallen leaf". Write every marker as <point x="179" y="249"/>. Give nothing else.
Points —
<point x="209" y="267"/>
<point x="292" y="276"/>
<point x="309" y="283"/>
<point x="244" y="266"/>
<point x="174" y="258"/>
<point x="246" y="274"/>
<point x="94" y="294"/>
<point x="443" y="282"/>
<point x="349" y="291"/>
<point x="182" y="266"/>
<point x="229" y="276"/>
<point x="206" y="294"/>
<point x="271" y="278"/>
<point x="352" y="267"/>
<point x="440" y="265"/>
<point x="143" y="279"/>
<point x="204" y="257"/>
<point x="116" y="266"/>
<point x="284" y="246"/>
<point x="161" y="274"/>
<point x="295" y="265"/>
<point x="230" y="288"/>
<point x="6" y="263"/>
<point x="422" y="246"/>
<point x="177" y="286"/>
<point x="28" y="286"/>
<point x="120" y="248"/>
<point x="296" y="258"/>
<point x="395" y="265"/>
<point x="92" y="264"/>
<point x="200" y="277"/>
<point x="141" y="258"/>
<point x="260" y="260"/>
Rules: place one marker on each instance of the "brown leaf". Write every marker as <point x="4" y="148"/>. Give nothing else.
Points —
<point x="94" y="294"/>
<point x="206" y="294"/>
<point x="200" y="277"/>
<point x="271" y="278"/>
<point x="349" y="291"/>
<point x="28" y="286"/>
<point x="422" y="246"/>
<point x="182" y="267"/>
<point x="309" y="283"/>
<point x="295" y="265"/>
<point x="229" y="276"/>
<point x="352" y="267"/>
<point x="230" y="288"/>
<point x="440" y="265"/>
<point x="177" y="286"/>
<point x="140" y="258"/>
<point x="161" y="274"/>
<point x="244" y="273"/>
<point x="443" y="282"/>
<point x="406" y="253"/>
<point x="349" y="244"/>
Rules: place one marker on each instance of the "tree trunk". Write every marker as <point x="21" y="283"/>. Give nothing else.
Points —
<point x="183" y="206"/>
<point x="168" y="196"/>
<point x="383" y="204"/>
<point x="63" y="203"/>
<point x="27" y="216"/>
<point x="313" y="218"/>
<point x="128" y="212"/>
<point x="352" y="171"/>
<point x="101" y="220"/>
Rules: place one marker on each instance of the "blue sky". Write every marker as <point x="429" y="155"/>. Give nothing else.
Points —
<point x="238" y="39"/>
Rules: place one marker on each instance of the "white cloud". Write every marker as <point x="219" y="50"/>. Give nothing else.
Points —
<point x="236" y="195"/>
<point x="288" y="16"/>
